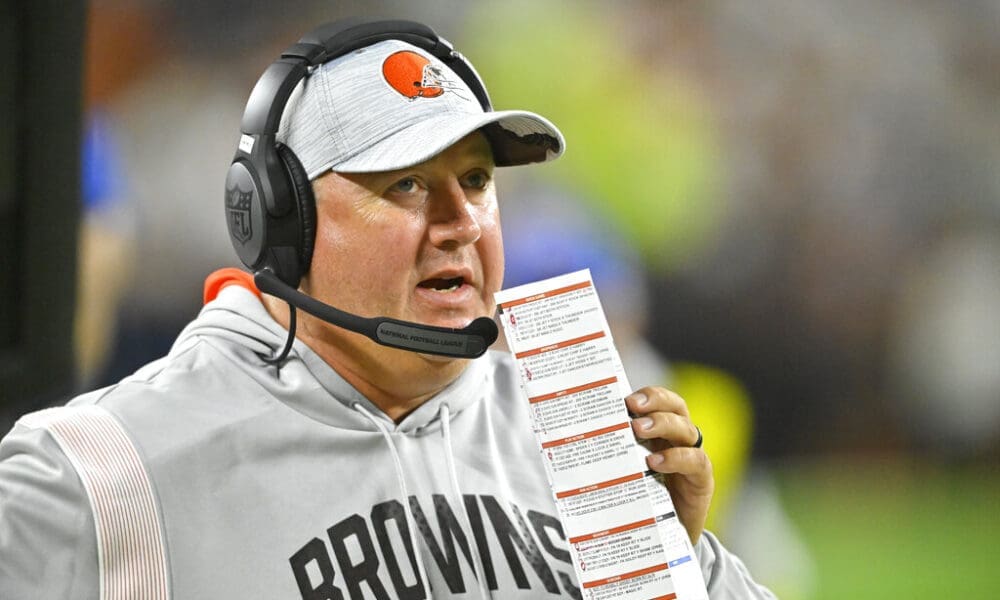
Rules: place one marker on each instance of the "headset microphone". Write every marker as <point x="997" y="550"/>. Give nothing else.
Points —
<point x="468" y="342"/>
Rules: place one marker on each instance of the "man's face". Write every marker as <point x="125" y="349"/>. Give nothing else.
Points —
<point x="421" y="244"/>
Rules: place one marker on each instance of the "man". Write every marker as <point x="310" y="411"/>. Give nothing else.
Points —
<point x="342" y="468"/>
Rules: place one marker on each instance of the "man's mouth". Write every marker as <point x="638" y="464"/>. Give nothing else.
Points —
<point x="442" y="285"/>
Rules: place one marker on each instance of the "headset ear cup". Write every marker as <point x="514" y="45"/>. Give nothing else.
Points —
<point x="305" y="203"/>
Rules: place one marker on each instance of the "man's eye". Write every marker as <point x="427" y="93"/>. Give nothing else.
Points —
<point x="477" y="180"/>
<point x="405" y="186"/>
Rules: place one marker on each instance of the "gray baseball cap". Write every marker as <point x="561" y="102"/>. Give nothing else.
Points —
<point x="392" y="105"/>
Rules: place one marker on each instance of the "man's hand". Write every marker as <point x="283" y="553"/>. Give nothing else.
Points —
<point x="663" y="422"/>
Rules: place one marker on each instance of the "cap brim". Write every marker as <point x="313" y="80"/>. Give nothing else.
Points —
<point x="516" y="137"/>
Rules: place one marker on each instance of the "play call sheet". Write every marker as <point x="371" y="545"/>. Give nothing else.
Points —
<point x="625" y="538"/>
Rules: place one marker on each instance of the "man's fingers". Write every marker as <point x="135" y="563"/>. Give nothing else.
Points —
<point x="693" y="463"/>
<point x="676" y="429"/>
<point x="655" y="399"/>
<point x="663" y="423"/>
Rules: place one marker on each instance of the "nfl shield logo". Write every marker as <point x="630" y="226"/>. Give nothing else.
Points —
<point x="238" y="212"/>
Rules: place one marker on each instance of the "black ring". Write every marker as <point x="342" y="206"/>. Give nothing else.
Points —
<point x="700" y="439"/>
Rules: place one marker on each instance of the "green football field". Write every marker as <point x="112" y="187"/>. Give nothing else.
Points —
<point x="893" y="529"/>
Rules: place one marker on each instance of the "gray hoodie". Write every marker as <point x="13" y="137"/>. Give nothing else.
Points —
<point x="210" y="474"/>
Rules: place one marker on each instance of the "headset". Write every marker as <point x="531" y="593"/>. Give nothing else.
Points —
<point x="270" y="208"/>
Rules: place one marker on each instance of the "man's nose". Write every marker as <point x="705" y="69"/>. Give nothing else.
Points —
<point x="453" y="221"/>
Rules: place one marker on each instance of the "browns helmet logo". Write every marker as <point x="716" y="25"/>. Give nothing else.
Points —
<point x="413" y="76"/>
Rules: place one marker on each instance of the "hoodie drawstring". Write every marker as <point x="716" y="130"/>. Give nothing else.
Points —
<point x="477" y="565"/>
<point x="401" y="480"/>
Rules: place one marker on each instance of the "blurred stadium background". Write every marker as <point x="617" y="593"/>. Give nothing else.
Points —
<point x="805" y="196"/>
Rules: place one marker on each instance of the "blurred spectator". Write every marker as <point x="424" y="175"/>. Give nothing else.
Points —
<point x="121" y="42"/>
<point x="169" y="91"/>
<point x="106" y="247"/>
<point x="945" y="351"/>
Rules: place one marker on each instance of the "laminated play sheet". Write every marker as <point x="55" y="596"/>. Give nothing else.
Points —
<point x="625" y="539"/>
